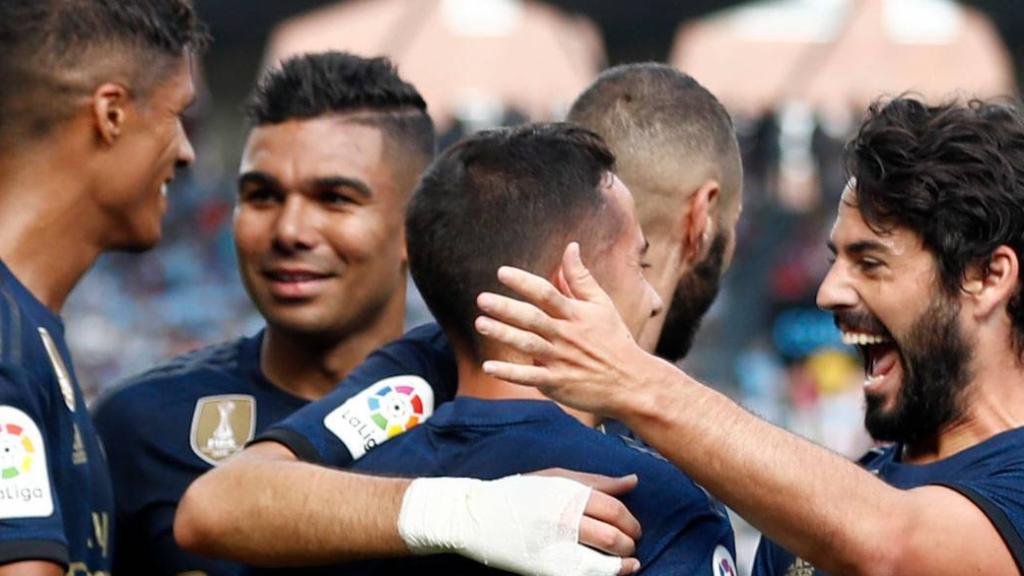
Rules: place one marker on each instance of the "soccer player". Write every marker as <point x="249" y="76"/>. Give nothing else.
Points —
<point x="336" y="146"/>
<point x="927" y="283"/>
<point x="676" y="149"/>
<point x="90" y="131"/>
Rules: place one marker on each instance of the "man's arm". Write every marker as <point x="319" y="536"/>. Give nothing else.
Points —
<point x="820" y="506"/>
<point x="31" y="568"/>
<point x="265" y="507"/>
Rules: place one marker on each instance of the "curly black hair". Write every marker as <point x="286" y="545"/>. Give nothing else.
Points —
<point x="953" y="174"/>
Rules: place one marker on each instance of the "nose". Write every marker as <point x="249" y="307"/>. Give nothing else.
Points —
<point x="836" y="292"/>
<point x="293" y="229"/>
<point x="186" y="154"/>
<point x="657" y="304"/>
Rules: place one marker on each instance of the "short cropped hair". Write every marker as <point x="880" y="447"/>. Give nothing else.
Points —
<point x="52" y="51"/>
<point x="660" y="123"/>
<point x="370" y="89"/>
<point x="952" y="174"/>
<point x="512" y="196"/>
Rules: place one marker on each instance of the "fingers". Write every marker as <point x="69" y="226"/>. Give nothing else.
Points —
<point x="629" y="566"/>
<point x="609" y="510"/>
<point x="518" y="373"/>
<point x="535" y="289"/>
<point x="580" y="282"/>
<point x="612" y="485"/>
<point x="606" y="538"/>
<point x="516" y="313"/>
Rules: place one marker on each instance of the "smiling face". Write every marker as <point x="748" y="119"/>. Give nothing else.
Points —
<point x="151" y="144"/>
<point x="884" y="291"/>
<point x="318" y="226"/>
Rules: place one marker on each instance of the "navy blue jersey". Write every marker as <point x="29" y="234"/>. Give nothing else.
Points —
<point x="167" y="426"/>
<point x="685" y="531"/>
<point x="55" y="498"/>
<point x="990" y="474"/>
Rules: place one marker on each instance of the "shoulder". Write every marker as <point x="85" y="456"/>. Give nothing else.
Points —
<point x="423" y="343"/>
<point x="174" y="385"/>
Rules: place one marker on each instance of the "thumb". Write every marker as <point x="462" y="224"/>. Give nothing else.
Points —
<point x="579" y="279"/>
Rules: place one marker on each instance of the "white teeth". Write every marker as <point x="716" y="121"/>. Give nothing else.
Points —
<point x="163" y="189"/>
<point x="859" y="338"/>
<point x="869" y="380"/>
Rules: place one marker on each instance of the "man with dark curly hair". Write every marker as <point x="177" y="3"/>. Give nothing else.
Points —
<point x="927" y="282"/>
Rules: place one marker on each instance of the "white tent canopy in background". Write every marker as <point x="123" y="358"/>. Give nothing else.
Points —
<point x="836" y="56"/>
<point x="471" y="59"/>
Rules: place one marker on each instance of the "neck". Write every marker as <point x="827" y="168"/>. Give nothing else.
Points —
<point x="474" y="383"/>
<point x="311" y="366"/>
<point x="47" y="235"/>
<point x="994" y="403"/>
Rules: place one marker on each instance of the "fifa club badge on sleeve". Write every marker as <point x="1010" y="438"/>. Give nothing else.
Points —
<point x="222" y="425"/>
<point x="63" y="376"/>
<point x="24" y="477"/>
<point x="382" y="411"/>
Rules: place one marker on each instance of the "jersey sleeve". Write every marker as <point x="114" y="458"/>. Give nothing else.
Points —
<point x="396" y="388"/>
<point x="31" y="526"/>
<point x="1001" y="498"/>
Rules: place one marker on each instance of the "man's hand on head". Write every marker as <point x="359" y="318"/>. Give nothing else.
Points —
<point x="581" y="352"/>
<point x="523" y="524"/>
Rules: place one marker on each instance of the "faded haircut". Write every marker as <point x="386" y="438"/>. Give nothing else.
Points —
<point x="660" y="123"/>
<point x="54" y="51"/>
<point x="367" y="89"/>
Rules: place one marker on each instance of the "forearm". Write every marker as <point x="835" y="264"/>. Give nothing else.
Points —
<point x="265" y="508"/>
<point x="817" y="504"/>
<point x="31" y="568"/>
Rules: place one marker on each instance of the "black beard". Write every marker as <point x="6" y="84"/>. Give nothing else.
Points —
<point x="691" y="300"/>
<point x="935" y="359"/>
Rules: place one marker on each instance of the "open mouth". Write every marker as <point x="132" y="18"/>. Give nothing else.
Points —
<point x="879" y="353"/>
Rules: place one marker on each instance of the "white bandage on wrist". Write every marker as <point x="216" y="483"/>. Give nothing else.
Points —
<point x="522" y="524"/>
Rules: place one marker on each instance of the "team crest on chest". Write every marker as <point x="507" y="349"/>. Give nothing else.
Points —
<point x="800" y="568"/>
<point x="63" y="376"/>
<point x="221" y="426"/>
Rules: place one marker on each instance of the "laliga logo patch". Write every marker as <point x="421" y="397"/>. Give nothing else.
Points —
<point x="380" y="412"/>
<point x="722" y="563"/>
<point x="24" y="479"/>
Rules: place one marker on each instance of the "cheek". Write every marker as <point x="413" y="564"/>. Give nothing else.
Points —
<point x="362" y="238"/>
<point x="251" y="235"/>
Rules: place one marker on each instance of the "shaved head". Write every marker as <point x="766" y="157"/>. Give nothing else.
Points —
<point x="668" y="134"/>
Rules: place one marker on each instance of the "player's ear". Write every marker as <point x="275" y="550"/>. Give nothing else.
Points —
<point x="991" y="286"/>
<point x="698" y="222"/>
<point x="110" y="104"/>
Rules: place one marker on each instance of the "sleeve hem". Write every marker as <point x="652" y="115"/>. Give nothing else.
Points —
<point x="21" y="550"/>
<point x="294" y="441"/>
<point x="999" y="519"/>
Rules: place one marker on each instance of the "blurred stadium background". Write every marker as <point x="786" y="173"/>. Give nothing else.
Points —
<point x="796" y="75"/>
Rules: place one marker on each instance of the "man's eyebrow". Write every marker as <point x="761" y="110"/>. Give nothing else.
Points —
<point x="859" y="247"/>
<point x="358" y="186"/>
<point x="258" y="178"/>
